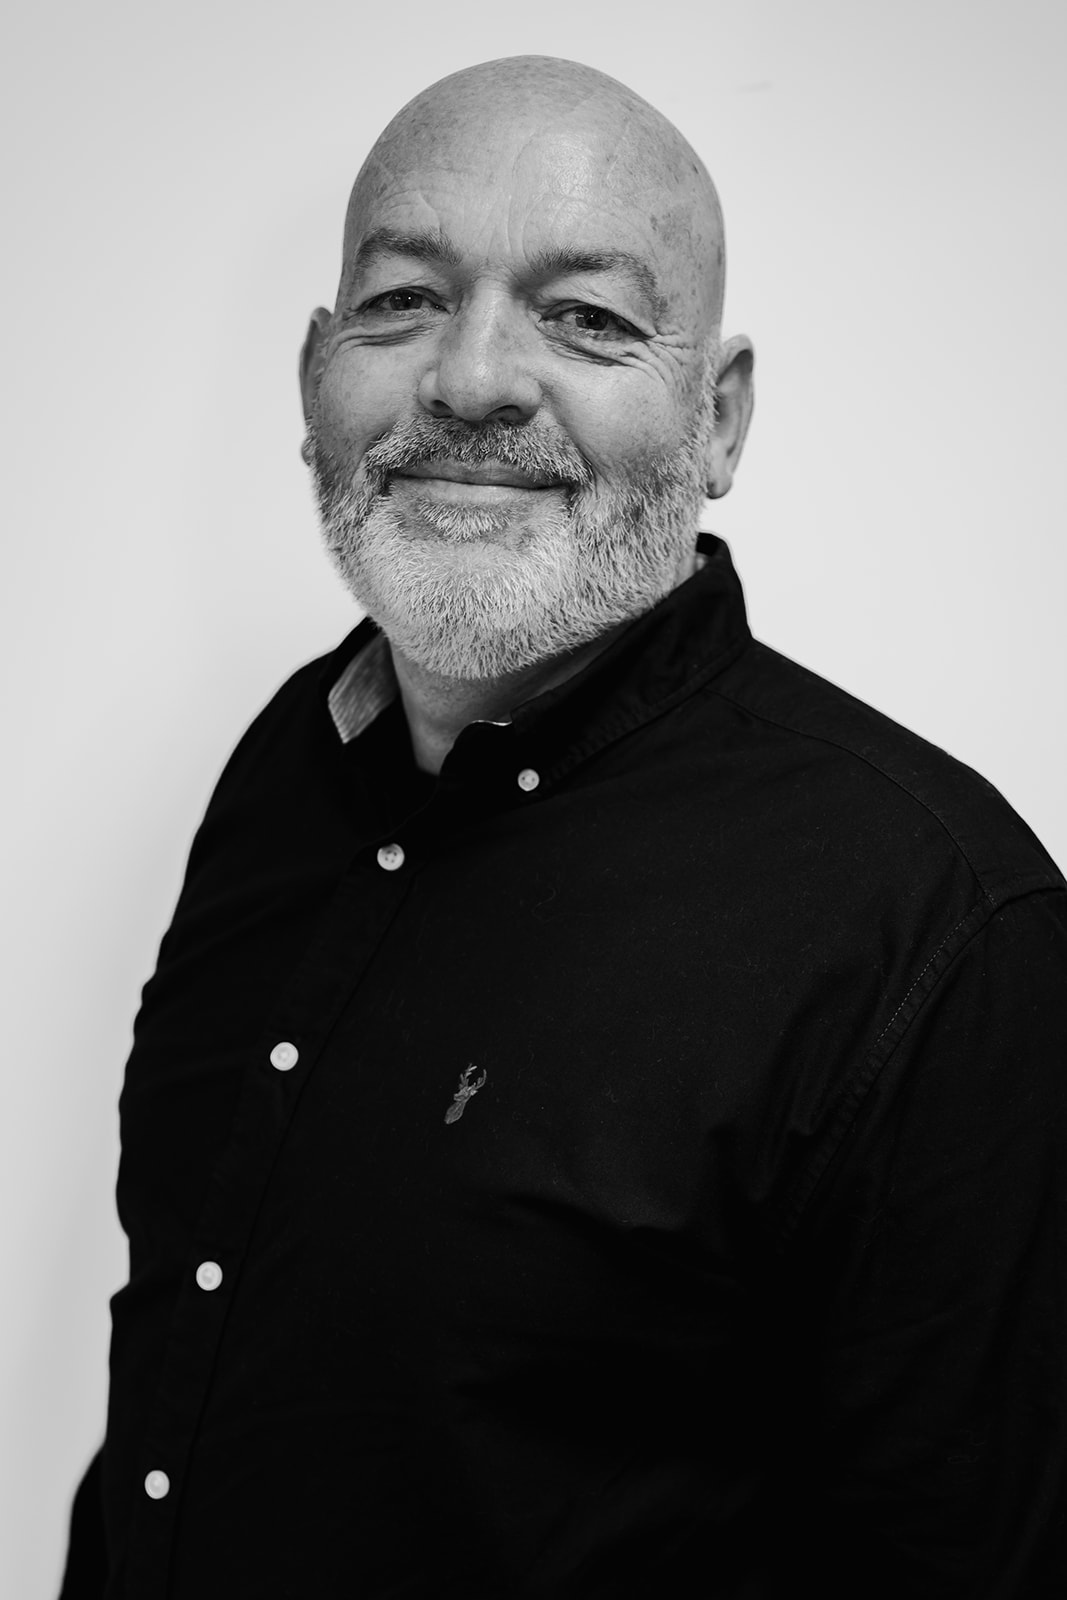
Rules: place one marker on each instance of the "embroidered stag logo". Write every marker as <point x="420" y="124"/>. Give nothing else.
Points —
<point x="464" y="1093"/>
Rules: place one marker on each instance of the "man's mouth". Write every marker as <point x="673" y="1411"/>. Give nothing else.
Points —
<point x="488" y="474"/>
<point x="491" y="485"/>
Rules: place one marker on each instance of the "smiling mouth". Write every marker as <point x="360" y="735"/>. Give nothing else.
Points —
<point x="489" y="474"/>
<point x="490" y="484"/>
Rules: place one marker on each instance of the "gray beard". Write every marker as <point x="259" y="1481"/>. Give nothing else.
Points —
<point x="457" y="600"/>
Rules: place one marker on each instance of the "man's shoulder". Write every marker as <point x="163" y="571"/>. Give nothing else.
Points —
<point x="875" y="781"/>
<point x="299" y="708"/>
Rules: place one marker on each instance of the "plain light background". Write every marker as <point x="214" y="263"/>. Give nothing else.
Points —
<point x="174" y="183"/>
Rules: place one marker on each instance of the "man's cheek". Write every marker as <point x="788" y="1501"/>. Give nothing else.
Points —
<point x="346" y="411"/>
<point x="370" y="388"/>
<point x="615" y="438"/>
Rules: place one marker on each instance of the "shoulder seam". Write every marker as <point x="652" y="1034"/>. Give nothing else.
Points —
<point x="849" y="750"/>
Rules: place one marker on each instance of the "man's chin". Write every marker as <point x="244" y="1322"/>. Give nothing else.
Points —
<point x="468" y="535"/>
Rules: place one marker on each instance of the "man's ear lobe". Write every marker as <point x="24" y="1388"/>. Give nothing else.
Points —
<point x="313" y="359"/>
<point x="734" y="398"/>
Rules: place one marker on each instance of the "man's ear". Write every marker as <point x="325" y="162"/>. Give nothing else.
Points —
<point x="313" y="359"/>
<point x="733" y="400"/>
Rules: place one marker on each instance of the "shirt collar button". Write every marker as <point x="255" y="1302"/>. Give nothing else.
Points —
<point x="284" y="1056"/>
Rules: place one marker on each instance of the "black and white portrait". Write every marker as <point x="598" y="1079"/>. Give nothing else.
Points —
<point x="535" y="943"/>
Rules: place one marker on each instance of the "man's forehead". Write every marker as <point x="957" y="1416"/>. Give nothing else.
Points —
<point x="559" y="167"/>
<point x="549" y="198"/>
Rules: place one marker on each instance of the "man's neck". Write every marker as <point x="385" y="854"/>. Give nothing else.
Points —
<point x="438" y="707"/>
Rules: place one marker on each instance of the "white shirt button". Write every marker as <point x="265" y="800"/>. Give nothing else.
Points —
<point x="390" y="856"/>
<point x="156" y="1485"/>
<point x="528" y="779"/>
<point x="284" y="1056"/>
<point x="209" y="1274"/>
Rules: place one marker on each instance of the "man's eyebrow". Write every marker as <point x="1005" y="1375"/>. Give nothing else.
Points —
<point x="437" y="249"/>
<point x="561" y="261"/>
<point x="425" y="244"/>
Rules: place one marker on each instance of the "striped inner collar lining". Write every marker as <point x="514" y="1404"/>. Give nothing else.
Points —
<point x="364" y="689"/>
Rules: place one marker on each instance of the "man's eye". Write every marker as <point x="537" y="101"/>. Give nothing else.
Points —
<point x="595" y="322"/>
<point x="399" y="301"/>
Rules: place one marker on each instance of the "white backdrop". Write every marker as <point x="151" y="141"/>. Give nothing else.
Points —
<point x="174" y="183"/>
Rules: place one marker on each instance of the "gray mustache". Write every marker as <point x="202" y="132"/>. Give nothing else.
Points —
<point x="420" y="441"/>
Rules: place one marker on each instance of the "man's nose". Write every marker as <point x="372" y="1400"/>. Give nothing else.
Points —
<point x="483" y="365"/>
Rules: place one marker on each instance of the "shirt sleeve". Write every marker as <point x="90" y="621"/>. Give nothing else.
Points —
<point x="930" y="1454"/>
<point x="85" y="1575"/>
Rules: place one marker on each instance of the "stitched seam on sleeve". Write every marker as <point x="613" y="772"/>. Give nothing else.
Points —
<point x="919" y="980"/>
<point x="881" y="1052"/>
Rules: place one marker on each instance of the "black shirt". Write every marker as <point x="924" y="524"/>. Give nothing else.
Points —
<point x="631" y="1164"/>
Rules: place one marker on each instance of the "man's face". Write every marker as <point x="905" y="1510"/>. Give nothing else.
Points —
<point x="511" y="423"/>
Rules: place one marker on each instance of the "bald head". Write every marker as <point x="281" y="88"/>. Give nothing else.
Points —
<point x="579" y="137"/>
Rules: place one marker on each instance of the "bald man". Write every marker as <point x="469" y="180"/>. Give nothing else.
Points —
<point x="596" y="1128"/>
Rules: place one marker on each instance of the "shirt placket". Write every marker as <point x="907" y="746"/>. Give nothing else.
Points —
<point x="280" y="1063"/>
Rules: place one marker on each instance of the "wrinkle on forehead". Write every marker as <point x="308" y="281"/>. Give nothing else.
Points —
<point x="586" y="132"/>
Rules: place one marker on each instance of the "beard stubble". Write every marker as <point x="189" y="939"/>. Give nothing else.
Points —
<point x="474" y="592"/>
